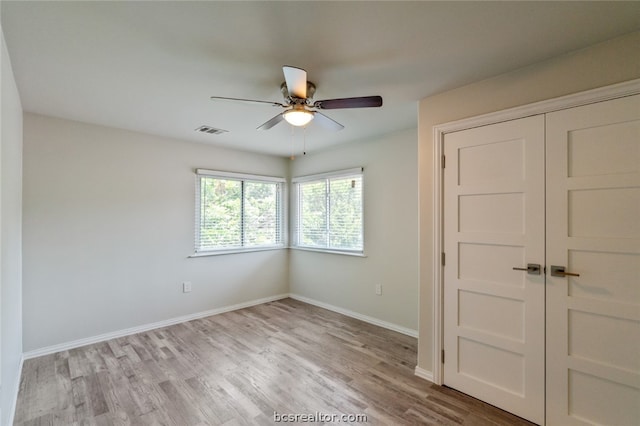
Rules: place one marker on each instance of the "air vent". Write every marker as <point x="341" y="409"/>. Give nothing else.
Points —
<point x="210" y="130"/>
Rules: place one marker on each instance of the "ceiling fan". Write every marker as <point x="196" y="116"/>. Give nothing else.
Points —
<point x="299" y="106"/>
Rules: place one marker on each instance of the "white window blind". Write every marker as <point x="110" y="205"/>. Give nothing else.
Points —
<point x="236" y="212"/>
<point x="330" y="211"/>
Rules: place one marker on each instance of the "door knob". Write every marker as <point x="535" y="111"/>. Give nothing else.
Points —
<point x="558" y="271"/>
<point x="532" y="269"/>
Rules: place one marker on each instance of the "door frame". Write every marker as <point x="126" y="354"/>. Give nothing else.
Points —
<point x="628" y="88"/>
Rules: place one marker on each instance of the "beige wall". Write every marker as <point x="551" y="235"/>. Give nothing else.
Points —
<point x="603" y="64"/>
<point x="108" y="228"/>
<point x="390" y="237"/>
<point x="108" y="225"/>
<point x="10" y="238"/>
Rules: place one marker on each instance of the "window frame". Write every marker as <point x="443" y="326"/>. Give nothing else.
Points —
<point x="281" y="222"/>
<point x="295" y="183"/>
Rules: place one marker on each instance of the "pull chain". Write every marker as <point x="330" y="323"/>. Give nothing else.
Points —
<point x="304" y="142"/>
<point x="293" y="157"/>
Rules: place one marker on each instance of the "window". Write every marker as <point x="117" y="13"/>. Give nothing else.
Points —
<point x="237" y="212"/>
<point x="329" y="212"/>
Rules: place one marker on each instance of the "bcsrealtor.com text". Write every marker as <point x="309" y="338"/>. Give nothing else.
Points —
<point x="318" y="417"/>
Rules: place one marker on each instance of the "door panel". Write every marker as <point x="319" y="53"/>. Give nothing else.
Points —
<point x="494" y="221"/>
<point x="492" y="213"/>
<point x="589" y="156"/>
<point x="593" y="228"/>
<point x="605" y="207"/>
<point x="621" y="266"/>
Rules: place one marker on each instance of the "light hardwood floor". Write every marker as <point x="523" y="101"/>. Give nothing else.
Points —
<point x="240" y="367"/>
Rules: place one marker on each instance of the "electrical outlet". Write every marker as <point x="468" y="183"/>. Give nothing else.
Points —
<point x="186" y="286"/>
<point x="379" y="289"/>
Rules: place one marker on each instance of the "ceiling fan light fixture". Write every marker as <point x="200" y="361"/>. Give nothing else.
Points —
<point x="298" y="117"/>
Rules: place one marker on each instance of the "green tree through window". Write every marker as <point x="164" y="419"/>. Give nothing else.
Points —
<point x="235" y="213"/>
<point x="330" y="213"/>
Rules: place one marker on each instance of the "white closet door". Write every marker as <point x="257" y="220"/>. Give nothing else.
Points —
<point x="593" y="229"/>
<point x="494" y="221"/>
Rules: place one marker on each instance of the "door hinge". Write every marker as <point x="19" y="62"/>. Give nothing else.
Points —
<point x="443" y="259"/>
<point x="443" y="356"/>
<point x="443" y="161"/>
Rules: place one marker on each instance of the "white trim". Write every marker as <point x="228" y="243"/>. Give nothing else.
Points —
<point x="239" y="176"/>
<point x="438" y="248"/>
<point x="221" y="252"/>
<point x="423" y="374"/>
<point x="177" y="320"/>
<point x="14" y="402"/>
<point x="361" y="317"/>
<point x="627" y="88"/>
<point x="146" y="327"/>
<point x="337" y="173"/>
<point x="329" y="251"/>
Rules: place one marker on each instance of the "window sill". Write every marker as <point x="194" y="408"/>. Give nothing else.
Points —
<point x="234" y="251"/>
<point x="320" y="250"/>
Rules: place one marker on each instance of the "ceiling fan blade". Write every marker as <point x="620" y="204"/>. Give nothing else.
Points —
<point x="216" y="98"/>
<point x="269" y="124"/>
<point x="326" y="122"/>
<point x="361" y="102"/>
<point x="296" y="79"/>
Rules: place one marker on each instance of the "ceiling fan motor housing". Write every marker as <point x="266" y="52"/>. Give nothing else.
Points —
<point x="311" y="90"/>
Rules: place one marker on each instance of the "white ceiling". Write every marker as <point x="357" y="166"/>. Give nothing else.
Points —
<point x="151" y="66"/>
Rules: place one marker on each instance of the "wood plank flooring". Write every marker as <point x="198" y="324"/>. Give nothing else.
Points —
<point x="240" y="367"/>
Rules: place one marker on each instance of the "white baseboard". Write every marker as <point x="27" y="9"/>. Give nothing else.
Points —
<point x="352" y="314"/>
<point x="424" y="374"/>
<point x="14" y="402"/>
<point x="146" y="327"/>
